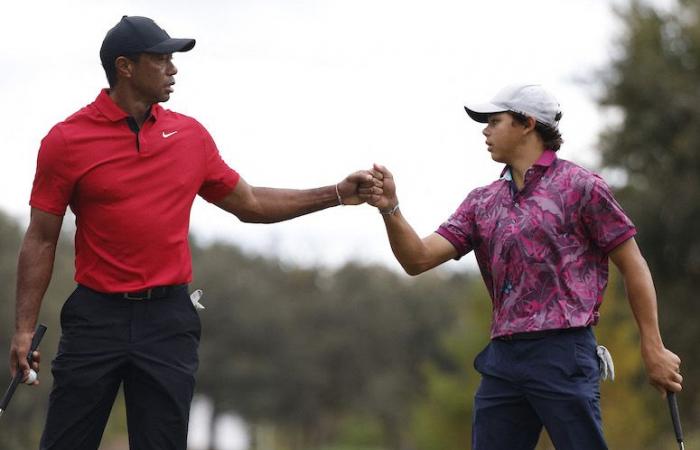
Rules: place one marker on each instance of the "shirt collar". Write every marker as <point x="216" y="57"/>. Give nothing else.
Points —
<point x="113" y="112"/>
<point x="506" y="174"/>
<point x="546" y="159"/>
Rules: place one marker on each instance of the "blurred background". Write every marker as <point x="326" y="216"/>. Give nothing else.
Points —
<point x="313" y="339"/>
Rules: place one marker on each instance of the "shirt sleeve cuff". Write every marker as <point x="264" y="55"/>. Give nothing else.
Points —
<point x="213" y="194"/>
<point x="452" y="239"/>
<point x="48" y="209"/>
<point x="619" y="240"/>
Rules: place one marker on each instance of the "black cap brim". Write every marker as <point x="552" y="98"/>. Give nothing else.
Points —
<point x="481" y="113"/>
<point x="171" y="46"/>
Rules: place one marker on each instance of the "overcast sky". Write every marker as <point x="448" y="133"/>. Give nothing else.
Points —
<point x="299" y="93"/>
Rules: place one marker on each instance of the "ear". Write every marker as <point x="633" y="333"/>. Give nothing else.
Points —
<point x="124" y="66"/>
<point x="530" y="126"/>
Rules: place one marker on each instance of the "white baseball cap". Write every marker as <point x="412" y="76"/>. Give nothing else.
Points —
<point x="528" y="99"/>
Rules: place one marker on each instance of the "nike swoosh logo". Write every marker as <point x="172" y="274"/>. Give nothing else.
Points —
<point x="167" y="135"/>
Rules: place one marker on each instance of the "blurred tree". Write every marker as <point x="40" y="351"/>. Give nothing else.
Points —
<point x="307" y="348"/>
<point x="653" y="86"/>
<point x="443" y="417"/>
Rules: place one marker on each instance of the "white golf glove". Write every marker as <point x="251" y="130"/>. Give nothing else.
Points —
<point x="607" y="368"/>
<point x="195" y="297"/>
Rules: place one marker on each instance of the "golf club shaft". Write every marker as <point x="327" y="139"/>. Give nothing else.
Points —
<point x="10" y="391"/>
<point x="36" y="339"/>
<point x="675" y="418"/>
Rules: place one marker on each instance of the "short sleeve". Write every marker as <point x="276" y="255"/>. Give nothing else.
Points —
<point x="607" y="224"/>
<point x="458" y="228"/>
<point x="219" y="179"/>
<point x="55" y="175"/>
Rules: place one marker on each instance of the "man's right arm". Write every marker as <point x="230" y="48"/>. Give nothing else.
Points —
<point x="34" y="269"/>
<point x="415" y="255"/>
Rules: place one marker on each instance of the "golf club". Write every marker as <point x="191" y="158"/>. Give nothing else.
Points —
<point x="675" y="418"/>
<point x="38" y="335"/>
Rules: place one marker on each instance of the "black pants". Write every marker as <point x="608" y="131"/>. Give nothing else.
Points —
<point x="149" y="345"/>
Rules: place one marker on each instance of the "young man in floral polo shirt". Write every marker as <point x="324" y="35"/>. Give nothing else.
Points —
<point x="542" y="235"/>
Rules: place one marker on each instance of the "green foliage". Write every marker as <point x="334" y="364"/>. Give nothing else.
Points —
<point x="305" y="348"/>
<point x="654" y="83"/>
<point x="443" y="417"/>
<point x="359" y="432"/>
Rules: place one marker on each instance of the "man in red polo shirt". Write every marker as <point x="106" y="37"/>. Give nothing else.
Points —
<point x="130" y="171"/>
<point x="542" y="235"/>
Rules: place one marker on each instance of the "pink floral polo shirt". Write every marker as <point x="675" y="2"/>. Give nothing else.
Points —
<point x="542" y="251"/>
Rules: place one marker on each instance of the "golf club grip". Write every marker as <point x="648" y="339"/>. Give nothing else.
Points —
<point x="36" y="339"/>
<point x="675" y="417"/>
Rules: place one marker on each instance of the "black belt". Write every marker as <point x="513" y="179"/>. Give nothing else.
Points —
<point x="147" y="294"/>
<point x="539" y="334"/>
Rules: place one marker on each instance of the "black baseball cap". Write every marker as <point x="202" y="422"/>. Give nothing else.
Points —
<point x="136" y="34"/>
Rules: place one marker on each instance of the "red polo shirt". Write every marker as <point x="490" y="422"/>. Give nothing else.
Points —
<point x="131" y="192"/>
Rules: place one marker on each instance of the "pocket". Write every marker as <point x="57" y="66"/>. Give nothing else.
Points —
<point x="68" y="307"/>
<point x="190" y="305"/>
<point x="191" y="318"/>
<point x="587" y="360"/>
<point x="479" y="359"/>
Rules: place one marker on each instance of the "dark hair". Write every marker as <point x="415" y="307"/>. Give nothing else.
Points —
<point x="111" y="69"/>
<point x="551" y="137"/>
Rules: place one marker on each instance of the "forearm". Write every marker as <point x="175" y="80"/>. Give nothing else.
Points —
<point x="662" y="365"/>
<point x="408" y="248"/>
<point x="642" y="299"/>
<point x="34" y="269"/>
<point x="276" y="205"/>
<point x="415" y="255"/>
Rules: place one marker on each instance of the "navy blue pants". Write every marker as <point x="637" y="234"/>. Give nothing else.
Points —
<point x="552" y="381"/>
<point x="148" y="345"/>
